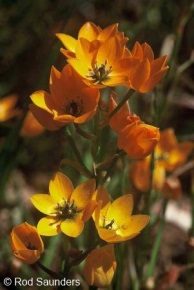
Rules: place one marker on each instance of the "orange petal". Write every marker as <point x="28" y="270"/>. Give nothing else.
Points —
<point x="110" y="50"/>
<point x="168" y="140"/>
<point x="153" y="80"/>
<point x="158" y="64"/>
<point x="102" y="195"/>
<point x="83" y="193"/>
<point x="44" y="118"/>
<point x="147" y="52"/>
<point x="60" y="187"/>
<point x="67" y="53"/>
<point x="109" y="236"/>
<point x="89" y="209"/>
<point x="107" y="32"/>
<point x="85" y="51"/>
<point x="141" y="74"/>
<point x="43" y="100"/>
<point x="28" y="256"/>
<point x="137" y="50"/>
<point x="89" y="31"/>
<point x="56" y="88"/>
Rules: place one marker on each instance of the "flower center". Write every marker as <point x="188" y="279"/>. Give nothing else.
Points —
<point x="66" y="211"/>
<point x="29" y="246"/>
<point x="99" y="73"/>
<point x="74" y="108"/>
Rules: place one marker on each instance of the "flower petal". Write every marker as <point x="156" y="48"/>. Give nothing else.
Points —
<point x="89" y="31"/>
<point x="43" y="100"/>
<point x="28" y="256"/>
<point x="109" y="236"/>
<point x="142" y="73"/>
<point x="107" y="32"/>
<point x="49" y="226"/>
<point x="138" y="222"/>
<point x="44" y="203"/>
<point x="44" y="118"/>
<point x="60" y="187"/>
<point x="72" y="228"/>
<point x="68" y="41"/>
<point x="79" y="66"/>
<point x="120" y="209"/>
<point x="111" y="51"/>
<point x="83" y="193"/>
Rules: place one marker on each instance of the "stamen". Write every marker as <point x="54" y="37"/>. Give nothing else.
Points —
<point x="109" y="225"/>
<point x="74" y="108"/>
<point x="99" y="73"/>
<point x="66" y="211"/>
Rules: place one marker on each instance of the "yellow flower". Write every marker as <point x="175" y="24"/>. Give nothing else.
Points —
<point x="26" y="243"/>
<point x="138" y="139"/>
<point x="149" y="71"/>
<point x="70" y="100"/>
<point x="66" y="208"/>
<point x="102" y="65"/>
<point x="7" y="108"/>
<point x="94" y="34"/>
<point x="31" y="127"/>
<point x="114" y="220"/>
<point x="100" y="266"/>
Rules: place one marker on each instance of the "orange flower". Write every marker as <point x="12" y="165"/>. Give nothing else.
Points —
<point x="169" y="155"/>
<point x="31" y="127"/>
<point x="121" y="118"/>
<point x="172" y="188"/>
<point x="149" y="71"/>
<point x="66" y="208"/>
<point x="7" y="108"/>
<point x="70" y="100"/>
<point x="26" y="243"/>
<point x="94" y="34"/>
<point x="100" y="266"/>
<point x="138" y="140"/>
<point x="114" y="221"/>
<point x="141" y="175"/>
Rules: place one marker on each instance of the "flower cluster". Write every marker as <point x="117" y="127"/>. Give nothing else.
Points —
<point x="97" y="59"/>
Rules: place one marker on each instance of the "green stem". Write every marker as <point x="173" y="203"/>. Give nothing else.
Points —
<point x="192" y="203"/>
<point x="157" y="243"/>
<point x="179" y="34"/>
<point x="111" y="166"/>
<point x="84" y="134"/>
<point x="48" y="271"/>
<point x="76" y="152"/>
<point x="122" y="102"/>
<point x="133" y="271"/>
